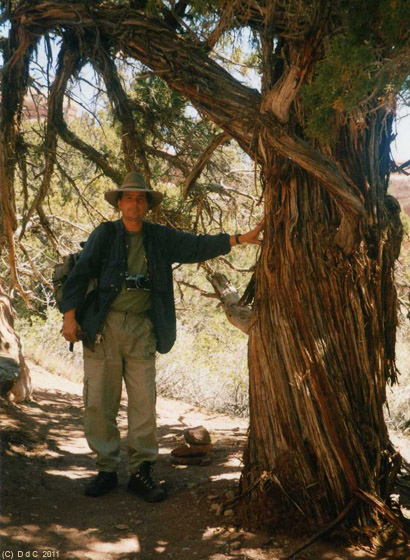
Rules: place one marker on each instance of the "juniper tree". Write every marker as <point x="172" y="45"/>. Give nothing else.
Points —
<point x="319" y="127"/>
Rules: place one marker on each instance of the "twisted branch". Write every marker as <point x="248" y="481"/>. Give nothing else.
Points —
<point x="188" y="70"/>
<point x="13" y="89"/>
<point x="133" y="147"/>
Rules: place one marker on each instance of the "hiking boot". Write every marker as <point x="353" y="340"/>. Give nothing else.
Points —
<point x="101" y="484"/>
<point x="142" y="485"/>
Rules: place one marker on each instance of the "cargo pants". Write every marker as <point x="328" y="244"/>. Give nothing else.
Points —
<point x="126" y="350"/>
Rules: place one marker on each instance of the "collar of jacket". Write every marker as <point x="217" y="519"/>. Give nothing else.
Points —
<point x="122" y="230"/>
<point x="147" y="233"/>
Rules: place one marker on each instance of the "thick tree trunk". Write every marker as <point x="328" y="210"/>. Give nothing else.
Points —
<point x="320" y="351"/>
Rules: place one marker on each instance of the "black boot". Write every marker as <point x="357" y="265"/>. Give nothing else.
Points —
<point x="142" y="485"/>
<point x="101" y="484"/>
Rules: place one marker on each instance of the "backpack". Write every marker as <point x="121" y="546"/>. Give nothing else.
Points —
<point x="62" y="270"/>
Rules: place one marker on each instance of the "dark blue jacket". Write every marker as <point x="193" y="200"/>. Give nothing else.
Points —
<point x="105" y="257"/>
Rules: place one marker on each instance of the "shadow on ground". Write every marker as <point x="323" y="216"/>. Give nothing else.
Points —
<point x="46" y="462"/>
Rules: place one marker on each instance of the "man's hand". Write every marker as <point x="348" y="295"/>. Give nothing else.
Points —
<point x="70" y="326"/>
<point x="250" y="236"/>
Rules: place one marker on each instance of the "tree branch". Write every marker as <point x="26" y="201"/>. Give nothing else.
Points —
<point x="13" y="88"/>
<point x="280" y="93"/>
<point x="89" y="152"/>
<point x="68" y="62"/>
<point x="212" y="90"/>
<point x="35" y="270"/>
<point x="202" y="161"/>
<point x="193" y="287"/>
<point x="174" y="160"/>
<point x="83" y="199"/>
<point x="132" y="145"/>
<point x="324" y="170"/>
<point x="238" y="315"/>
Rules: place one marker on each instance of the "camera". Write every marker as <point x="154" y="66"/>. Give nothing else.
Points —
<point x="136" y="282"/>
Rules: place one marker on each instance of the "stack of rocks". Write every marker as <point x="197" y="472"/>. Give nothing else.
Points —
<point x="196" y="449"/>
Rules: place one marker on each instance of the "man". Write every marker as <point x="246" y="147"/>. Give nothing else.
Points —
<point x="131" y="316"/>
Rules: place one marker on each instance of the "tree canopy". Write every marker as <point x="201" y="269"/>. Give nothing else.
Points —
<point x="332" y="63"/>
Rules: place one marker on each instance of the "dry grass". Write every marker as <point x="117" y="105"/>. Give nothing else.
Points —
<point x="207" y="371"/>
<point x="64" y="366"/>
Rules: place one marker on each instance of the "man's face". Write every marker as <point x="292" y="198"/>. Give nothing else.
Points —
<point x="133" y="206"/>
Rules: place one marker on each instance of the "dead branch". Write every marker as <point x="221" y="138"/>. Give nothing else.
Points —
<point x="384" y="511"/>
<point x="233" y="267"/>
<point x="223" y="189"/>
<point x="89" y="152"/>
<point x="46" y="227"/>
<point x="193" y="287"/>
<point x="83" y="199"/>
<point x="202" y="161"/>
<point x="21" y="150"/>
<point x="174" y="160"/>
<point x="72" y="224"/>
<point x="238" y="315"/>
<point x="401" y="168"/>
<point x="35" y="270"/>
<point x="325" y="529"/>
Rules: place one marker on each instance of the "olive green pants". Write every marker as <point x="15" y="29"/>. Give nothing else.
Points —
<point x="127" y="350"/>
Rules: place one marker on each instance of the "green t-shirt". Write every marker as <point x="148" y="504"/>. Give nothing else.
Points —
<point x="135" y="301"/>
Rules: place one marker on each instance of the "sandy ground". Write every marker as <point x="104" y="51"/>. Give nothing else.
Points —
<point x="46" y="463"/>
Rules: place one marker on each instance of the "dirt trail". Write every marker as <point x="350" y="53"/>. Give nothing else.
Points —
<point x="44" y="513"/>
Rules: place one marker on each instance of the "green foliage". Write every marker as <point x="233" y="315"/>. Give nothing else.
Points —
<point x="196" y="7"/>
<point x="344" y="81"/>
<point x="165" y="119"/>
<point x="361" y="69"/>
<point x="392" y="19"/>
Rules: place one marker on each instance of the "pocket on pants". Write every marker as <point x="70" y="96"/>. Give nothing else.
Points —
<point x="150" y="346"/>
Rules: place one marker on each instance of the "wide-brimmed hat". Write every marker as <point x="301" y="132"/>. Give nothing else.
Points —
<point x="134" y="182"/>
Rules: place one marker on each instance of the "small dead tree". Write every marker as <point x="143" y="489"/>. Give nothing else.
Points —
<point x="14" y="372"/>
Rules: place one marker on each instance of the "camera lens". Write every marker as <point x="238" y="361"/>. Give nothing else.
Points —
<point x="142" y="283"/>
<point x="137" y="282"/>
